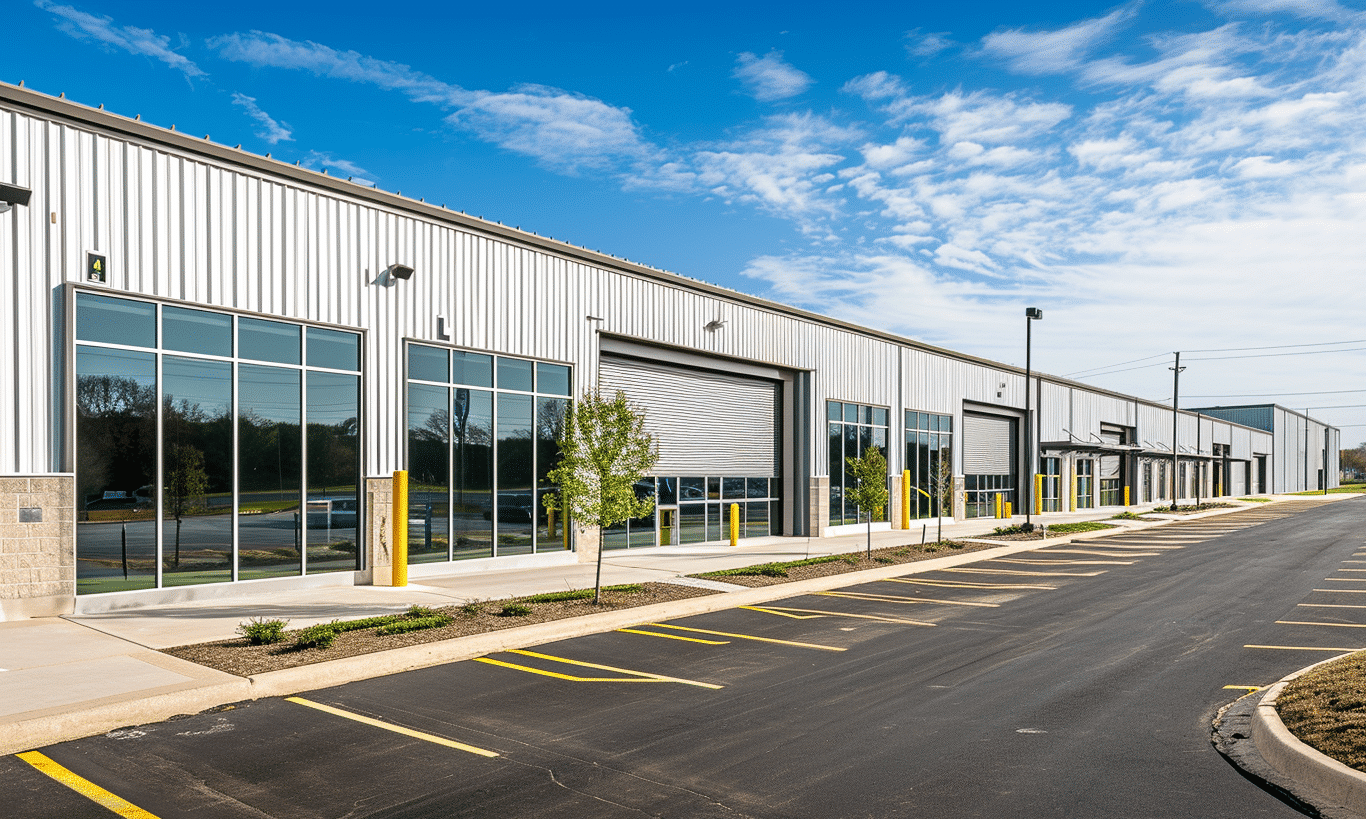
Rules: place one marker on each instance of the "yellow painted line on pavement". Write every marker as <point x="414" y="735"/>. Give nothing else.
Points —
<point x="1305" y="623"/>
<point x="1112" y="553"/>
<point x="1352" y="570"/>
<point x="770" y="610"/>
<point x="644" y="674"/>
<point x="1330" y="606"/>
<point x="1023" y="573"/>
<point x="570" y="677"/>
<point x="1244" y="687"/>
<point x="963" y="584"/>
<point x="749" y="637"/>
<point x="1063" y="562"/>
<point x="674" y="637"/>
<point x="1342" y="591"/>
<point x="896" y="598"/>
<point x="389" y="726"/>
<point x="1345" y="579"/>
<point x="85" y="787"/>
<point x="878" y="617"/>
<point x="1304" y="648"/>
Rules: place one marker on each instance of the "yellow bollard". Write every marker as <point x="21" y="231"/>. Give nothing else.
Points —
<point x="999" y="507"/>
<point x="1072" y="504"/>
<point x="1009" y="513"/>
<point x="1126" y="496"/>
<point x="400" y="509"/>
<point x="906" y="499"/>
<point x="1038" y="494"/>
<point x="734" y="524"/>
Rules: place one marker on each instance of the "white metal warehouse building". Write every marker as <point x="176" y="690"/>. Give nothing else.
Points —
<point x="213" y="362"/>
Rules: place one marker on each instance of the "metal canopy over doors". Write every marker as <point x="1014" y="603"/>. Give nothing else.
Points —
<point x="705" y="422"/>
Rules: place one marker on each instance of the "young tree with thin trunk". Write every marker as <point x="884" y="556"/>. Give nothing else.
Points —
<point x="604" y="451"/>
<point x="941" y="484"/>
<point x="869" y="492"/>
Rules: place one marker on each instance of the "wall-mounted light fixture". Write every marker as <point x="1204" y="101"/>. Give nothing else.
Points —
<point x="714" y="325"/>
<point x="11" y="195"/>
<point x="400" y="271"/>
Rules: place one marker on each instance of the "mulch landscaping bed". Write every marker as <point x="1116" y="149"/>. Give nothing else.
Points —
<point x="1054" y="532"/>
<point x="852" y="562"/>
<point x="1326" y="709"/>
<point x="237" y="657"/>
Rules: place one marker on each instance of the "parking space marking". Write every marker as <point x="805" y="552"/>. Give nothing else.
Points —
<point x="100" y="796"/>
<point x="1345" y="579"/>
<point x="878" y="617"/>
<point x="674" y="637"/>
<point x="896" y="598"/>
<point x="1342" y="591"/>
<point x="1305" y="648"/>
<point x="749" y="637"/>
<point x="1244" y="687"/>
<point x="771" y="610"/>
<point x="1063" y="562"/>
<point x="1114" y="553"/>
<point x="1023" y="573"/>
<point x="1352" y="570"/>
<point x="1304" y="623"/>
<point x="1331" y="606"/>
<point x="635" y="676"/>
<point x="964" y="584"/>
<point x="389" y="726"/>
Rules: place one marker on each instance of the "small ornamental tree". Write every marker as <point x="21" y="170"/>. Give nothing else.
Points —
<point x="186" y="484"/>
<point x="604" y="450"/>
<point x="941" y="484"/>
<point x="869" y="492"/>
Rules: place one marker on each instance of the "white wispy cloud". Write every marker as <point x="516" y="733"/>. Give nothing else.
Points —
<point x="99" y="28"/>
<point x="1051" y="52"/>
<point x="320" y="160"/>
<point x="1311" y="9"/>
<point x="271" y="131"/>
<point x="927" y="44"/>
<point x="770" y="77"/>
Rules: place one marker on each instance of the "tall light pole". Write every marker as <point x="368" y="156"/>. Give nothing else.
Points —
<point x="1176" y="415"/>
<point x="1031" y="314"/>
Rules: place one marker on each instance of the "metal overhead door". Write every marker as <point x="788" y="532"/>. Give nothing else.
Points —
<point x="988" y="445"/>
<point x="705" y="422"/>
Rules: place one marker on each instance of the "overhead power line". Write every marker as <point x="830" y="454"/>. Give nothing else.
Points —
<point x="1095" y="370"/>
<point x="1278" y="355"/>
<point x="1275" y="394"/>
<point x="1276" y="346"/>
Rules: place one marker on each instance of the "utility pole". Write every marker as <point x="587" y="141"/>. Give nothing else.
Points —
<point x="1031" y="314"/>
<point x="1176" y="420"/>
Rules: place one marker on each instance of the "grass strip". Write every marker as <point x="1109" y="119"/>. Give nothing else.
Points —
<point x="779" y="569"/>
<point x="1326" y="709"/>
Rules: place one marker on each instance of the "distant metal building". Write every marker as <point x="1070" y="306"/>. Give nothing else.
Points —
<point x="1307" y="452"/>
<point x="213" y="362"/>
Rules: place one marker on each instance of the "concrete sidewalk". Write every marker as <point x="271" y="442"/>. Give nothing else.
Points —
<point x="79" y="674"/>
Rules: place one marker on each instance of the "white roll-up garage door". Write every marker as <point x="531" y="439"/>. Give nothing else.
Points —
<point x="706" y="423"/>
<point x="988" y="445"/>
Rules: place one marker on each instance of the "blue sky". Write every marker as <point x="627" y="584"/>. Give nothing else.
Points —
<point x="1154" y="176"/>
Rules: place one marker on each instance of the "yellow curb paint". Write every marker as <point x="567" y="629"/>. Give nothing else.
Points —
<point x="1304" y="623"/>
<point x="389" y="726"/>
<point x="896" y="598"/>
<point x="86" y="788"/>
<point x="1244" y="687"/>
<point x="767" y="610"/>
<point x="1022" y="573"/>
<point x="644" y="674"/>
<point x="749" y="637"/>
<point x="946" y="584"/>
<point x="878" y="618"/>
<point x="674" y="637"/>
<point x="1304" y="648"/>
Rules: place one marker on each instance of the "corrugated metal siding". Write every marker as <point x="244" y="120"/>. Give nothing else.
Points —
<point x="1259" y="417"/>
<point x="705" y="423"/>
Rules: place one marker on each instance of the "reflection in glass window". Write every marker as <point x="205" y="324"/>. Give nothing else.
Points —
<point x="550" y="529"/>
<point x="552" y="379"/>
<point x="269" y="446"/>
<point x="472" y="481"/>
<point x="428" y="364"/>
<point x="472" y="369"/>
<point x="514" y="374"/>
<point x="333" y="349"/>
<point x="929" y="459"/>
<point x="733" y="488"/>
<point x="262" y="340"/>
<point x="516" y="480"/>
<point x="196" y="399"/>
<point x="333" y="440"/>
<point x="116" y="404"/>
<point x="862" y="429"/>
<point x="115" y="321"/>
<point x="428" y="465"/>
<point x="196" y="331"/>
<point x="692" y="523"/>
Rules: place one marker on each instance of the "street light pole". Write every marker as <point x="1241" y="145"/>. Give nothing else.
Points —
<point x="1031" y="314"/>
<point x="1176" y="415"/>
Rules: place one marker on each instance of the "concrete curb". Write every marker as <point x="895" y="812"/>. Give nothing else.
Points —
<point x="1343" y="786"/>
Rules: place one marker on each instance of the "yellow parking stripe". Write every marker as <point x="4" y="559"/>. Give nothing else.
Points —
<point x="1303" y="623"/>
<point x="963" y="584"/>
<point x="674" y="637"/>
<point x="1345" y="579"/>
<point x="748" y="637"/>
<point x="85" y="787"/>
<point x="1330" y="606"/>
<point x="896" y="598"/>
<point x="1244" y="687"/>
<point x="1342" y="591"/>
<point x="1305" y="648"/>
<point x="571" y="677"/>
<point x="878" y="617"/>
<point x="1111" y="553"/>
<point x="1063" y="562"/>
<point x="645" y="674"/>
<point x="1024" y="573"/>
<point x="1352" y="570"/>
<point x="768" y="610"/>
<point x="389" y="726"/>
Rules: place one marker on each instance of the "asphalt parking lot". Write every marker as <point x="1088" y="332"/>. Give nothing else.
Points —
<point x="1075" y="680"/>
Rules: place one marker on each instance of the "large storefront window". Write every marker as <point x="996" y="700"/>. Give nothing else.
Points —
<point x="697" y="510"/>
<point x="853" y="429"/>
<point x="1050" y="484"/>
<point x="211" y="447"/>
<point x="929" y="459"/>
<point x="482" y="435"/>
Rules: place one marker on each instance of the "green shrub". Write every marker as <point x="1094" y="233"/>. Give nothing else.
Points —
<point x="415" y="624"/>
<point x="261" y="632"/>
<point x="580" y="594"/>
<point x="514" y="610"/>
<point x="1080" y="526"/>
<point x="931" y="548"/>
<point x="416" y="611"/>
<point x="884" y="559"/>
<point x="319" y="636"/>
<point x="472" y="608"/>
<point x="341" y="626"/>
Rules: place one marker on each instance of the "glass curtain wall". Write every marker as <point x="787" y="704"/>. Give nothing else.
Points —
<point x="1086" y="478"/>
<point x="482" y="436"/>
<point x="191" y="460"/>
<point x="704" y="510"/>
<point x="929" y="459"/>
<point x="852" y="429"/>
<point x="1050" y="496"/>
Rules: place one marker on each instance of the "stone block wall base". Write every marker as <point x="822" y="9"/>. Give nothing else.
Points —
<point x="379" y="529"/>
<point x="37" y="545"/>
<point x="24" y="608"/>
<point x="586" y="540"/>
